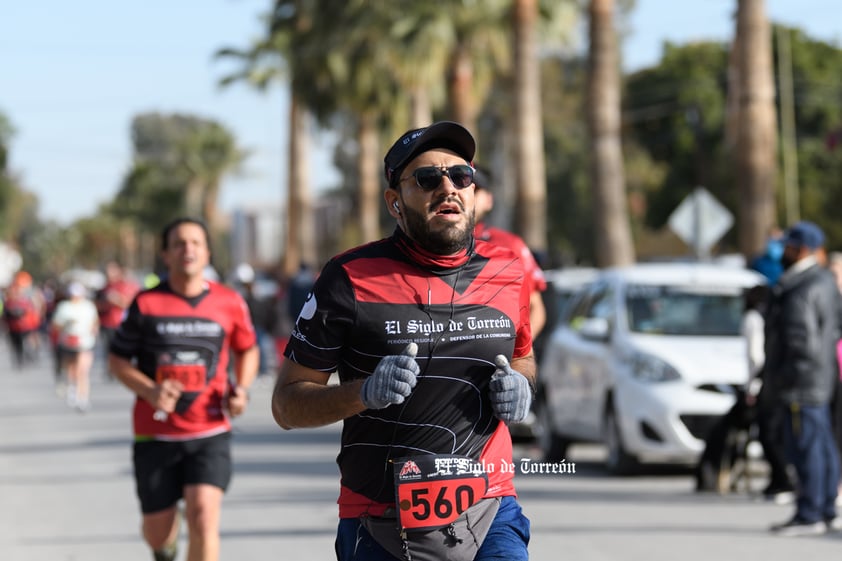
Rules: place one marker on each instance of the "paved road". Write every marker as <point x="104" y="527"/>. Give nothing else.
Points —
<point x="66" y="493"/>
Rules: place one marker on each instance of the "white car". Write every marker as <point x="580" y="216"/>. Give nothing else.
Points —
<point x="645" y="360"/>
<point x="562" y="284"/>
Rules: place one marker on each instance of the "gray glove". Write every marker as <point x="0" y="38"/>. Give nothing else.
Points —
<point x="510" y="393"/>
<point x="392" y="380"/>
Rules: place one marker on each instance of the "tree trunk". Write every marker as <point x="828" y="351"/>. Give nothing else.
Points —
<point x="210" y="212"/>
<point x="422" y="112"/>
<point x="756" y="134"/>
<point x="127" y="251"/>
<point x="530" y="169"/>
<point x="193" y="193"/>
<point x="370" y="196"/>
<point x="300" y="242"/>
<point x="463" y="107"/>
<point x="613" y="236"/>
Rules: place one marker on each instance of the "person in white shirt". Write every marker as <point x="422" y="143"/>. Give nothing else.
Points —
<point x="76" y="324"/>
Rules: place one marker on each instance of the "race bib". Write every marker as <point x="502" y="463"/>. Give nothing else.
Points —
<point x="434" y="490"/>
<point x="192" y="376"/>
<point x="72" y="342"/>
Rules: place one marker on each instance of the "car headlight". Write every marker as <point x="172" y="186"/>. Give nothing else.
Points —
<point x="649" y="368"/>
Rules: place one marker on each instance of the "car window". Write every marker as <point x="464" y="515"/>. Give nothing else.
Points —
<point x="592" y="302"/>
<point x="577" y="305"/>
<point x="684" y="310"/>
<point x="563" y="298"/>
<point x="601" y="304"/>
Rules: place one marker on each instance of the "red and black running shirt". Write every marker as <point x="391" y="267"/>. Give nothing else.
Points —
<point x="171" y="336"/>
<point x="497" y="236"/>
<point x="371" y="302"/>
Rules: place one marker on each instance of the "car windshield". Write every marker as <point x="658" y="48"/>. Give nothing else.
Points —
<point x="672" y="310"/>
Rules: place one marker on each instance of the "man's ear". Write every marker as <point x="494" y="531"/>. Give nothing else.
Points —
<point x="393" y="205"/>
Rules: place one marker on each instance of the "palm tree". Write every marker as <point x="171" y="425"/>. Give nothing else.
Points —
<point x="272" y="59"/>
<point x="613" y="236"/>
<point x="529" y="166"/>
<point x="208" y="152"/>
<point x="756" y="142"/>
<point x="419" y="39"/>
<point x="179" y="163"/>
<point x="348" y="61"/>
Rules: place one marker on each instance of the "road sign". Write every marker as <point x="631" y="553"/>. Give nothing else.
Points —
<point x="701" y="221"/>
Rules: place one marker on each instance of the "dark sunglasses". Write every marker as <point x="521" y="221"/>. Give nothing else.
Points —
<point x="429" y="178"/>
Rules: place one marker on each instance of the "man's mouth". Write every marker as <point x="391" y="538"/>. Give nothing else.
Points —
<point x="448" y="208"/>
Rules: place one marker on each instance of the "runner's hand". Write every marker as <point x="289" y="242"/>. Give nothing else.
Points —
<point x="510" y="393"/>
<point x="166" y="395"/>
<point x="392" y="380"/>
<point x="238" y="398"/>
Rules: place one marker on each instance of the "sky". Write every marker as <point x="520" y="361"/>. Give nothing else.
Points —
<point x="75" y="74"/>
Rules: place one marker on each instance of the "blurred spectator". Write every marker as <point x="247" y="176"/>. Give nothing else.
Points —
<point x="726" y="441"/>
<point x="58" y="293"/>
<point x="802" y="330"/>
<point x="299" y="289"/>
<point x="484" y="202"/>
<point x="260" y="310"/>
<point x="780" y="487"/>
<point x="834" y="263"/>
<point x="113" y="300"/>
<point x="76" y="323"/>
<point x="23" y="313"/>
<point x="769" y="263"/>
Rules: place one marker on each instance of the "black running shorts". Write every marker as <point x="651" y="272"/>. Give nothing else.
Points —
<point x="163" y="468"/>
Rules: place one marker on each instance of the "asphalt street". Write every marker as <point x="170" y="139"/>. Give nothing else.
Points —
<point x="67" y="493"/>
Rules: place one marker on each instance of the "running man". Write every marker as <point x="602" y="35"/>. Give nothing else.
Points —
<point x="172" y="350"/>
<point x="429" y="332"/>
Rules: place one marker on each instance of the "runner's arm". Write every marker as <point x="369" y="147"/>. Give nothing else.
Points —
<point x="537" y="313"/>
<point x="526" y="366"/>
<point x="302" y="398"/>
<point x="246" y="365"/>
<point x="161" y="396"/>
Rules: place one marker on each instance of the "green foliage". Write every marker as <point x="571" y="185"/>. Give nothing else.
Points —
<point x="674" y="139"/>
<point x="150" y="197"/>
<point x="817" y="85"/>
<point x="676" y="111"/>
<point x="6" y="133"/>
<point x="569" y="217"/>
<point x="18" y="207"/>
<point x="179" y="161"/>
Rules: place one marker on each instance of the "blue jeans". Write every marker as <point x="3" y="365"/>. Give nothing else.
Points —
<point x="506" y="540"/>
<point x="812" y="450"/>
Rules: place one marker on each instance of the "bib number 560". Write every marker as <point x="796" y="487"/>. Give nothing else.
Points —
<point x="429" y="504"/>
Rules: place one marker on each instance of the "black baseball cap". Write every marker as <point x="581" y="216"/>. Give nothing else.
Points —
<point x="442" y="134"/>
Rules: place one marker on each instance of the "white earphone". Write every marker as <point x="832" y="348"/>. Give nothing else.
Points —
<point x="396" y="207"/>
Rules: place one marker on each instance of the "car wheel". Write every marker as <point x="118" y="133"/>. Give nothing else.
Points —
<point x="553" y="447"/>
<point x="618" y="461"/>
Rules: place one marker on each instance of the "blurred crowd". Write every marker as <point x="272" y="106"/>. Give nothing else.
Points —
<point x="70" y="320"/>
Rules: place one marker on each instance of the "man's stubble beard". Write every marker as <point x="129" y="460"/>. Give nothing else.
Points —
<point x="442" y="242"/>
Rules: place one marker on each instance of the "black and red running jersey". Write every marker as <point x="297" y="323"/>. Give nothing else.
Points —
<point x="171" y="336"/>
<point x="462" y="311"/>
